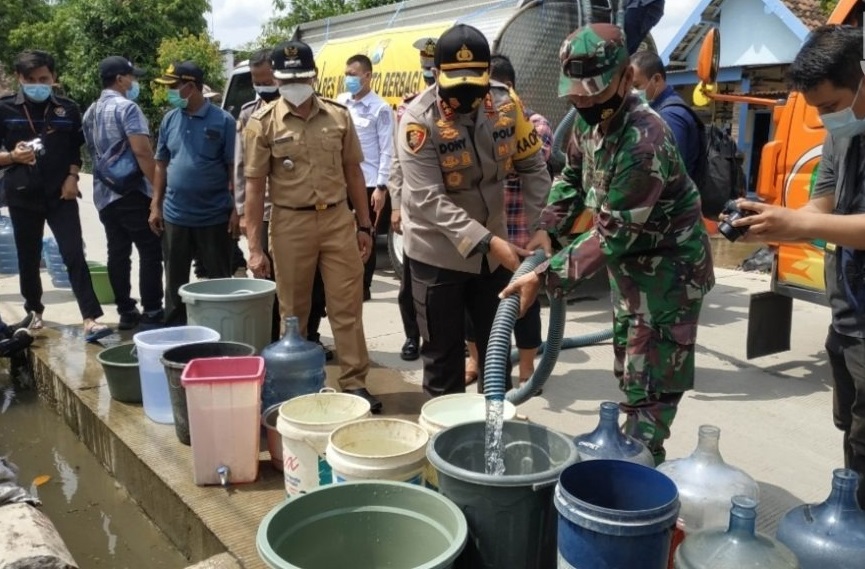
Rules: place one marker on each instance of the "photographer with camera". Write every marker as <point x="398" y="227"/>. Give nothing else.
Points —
<point x="44" y="131"/>
<point x="827" y="72"/>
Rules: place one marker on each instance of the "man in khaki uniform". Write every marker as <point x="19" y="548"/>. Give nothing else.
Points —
<point x="306" y="148"/>
<point x="457" y="142"/>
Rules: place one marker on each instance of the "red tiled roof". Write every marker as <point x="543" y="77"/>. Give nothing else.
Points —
<point x="808" y="12"/>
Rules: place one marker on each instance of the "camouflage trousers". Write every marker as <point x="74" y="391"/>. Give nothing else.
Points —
<point x="654" y="365"/>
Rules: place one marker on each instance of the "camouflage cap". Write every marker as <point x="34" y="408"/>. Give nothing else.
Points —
<point x="590" y="57"/>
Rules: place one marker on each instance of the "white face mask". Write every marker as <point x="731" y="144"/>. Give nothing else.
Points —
<point x="296" y="93"/>
<point x="843" y="123"/>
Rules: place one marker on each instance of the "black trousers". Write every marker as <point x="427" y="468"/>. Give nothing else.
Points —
<point x="382" y="226"/>
<point x="28" y="227"/>
<point x="317" y="311"/>
<point x="406" y="302"/>
<point x="442" y="297"/>
<point x="212" y="245"/>
<point x="126" y="223"/>
<point x="847" y="361"/>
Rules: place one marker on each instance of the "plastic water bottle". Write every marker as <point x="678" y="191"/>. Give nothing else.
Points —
<point x="292" y="366"/>
<point x="8" y="251"/>
<point x="54" y="263"/>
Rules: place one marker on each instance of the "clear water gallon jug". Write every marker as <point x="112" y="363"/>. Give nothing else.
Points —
<point x="54" y="263"/>
<point x="831" y="534"/>
<point x="292" y="366"/>
<point x="8" y="252"/>
<point x="737" y="547"/>
<point x="707" y="484"/>
<point x="608" y="441"/>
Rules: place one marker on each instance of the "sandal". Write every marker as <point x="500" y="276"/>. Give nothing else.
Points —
<point x="96" y="332"/>
<point x="36" y="322"/>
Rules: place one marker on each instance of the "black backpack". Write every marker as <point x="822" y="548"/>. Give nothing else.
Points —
<point x="718" y="176"/>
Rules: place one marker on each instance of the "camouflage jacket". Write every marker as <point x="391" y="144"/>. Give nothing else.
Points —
<point x="647" y="228"/>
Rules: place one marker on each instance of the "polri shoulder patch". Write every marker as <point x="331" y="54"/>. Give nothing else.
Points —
<point x="416" y="136"/>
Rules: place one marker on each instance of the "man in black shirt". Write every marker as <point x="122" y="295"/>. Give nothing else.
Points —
<point x="43" y="131"/>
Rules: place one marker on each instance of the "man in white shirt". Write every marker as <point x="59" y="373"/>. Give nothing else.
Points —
<point x="373" y="119"/>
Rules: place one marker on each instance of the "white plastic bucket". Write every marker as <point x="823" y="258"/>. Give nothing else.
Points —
<point x="305" y="424"/>
<point x="378" y="449"/>
<point x="448" y="410"/>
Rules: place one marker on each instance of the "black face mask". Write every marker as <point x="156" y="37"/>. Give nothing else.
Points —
<point x="268" y="97"/>
<point x="429" y="79"/>
<point x="463" y="99"/>
<point x="602" y="111"/>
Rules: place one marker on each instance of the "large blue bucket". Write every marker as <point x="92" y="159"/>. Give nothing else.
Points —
<point x="615" y="515"/>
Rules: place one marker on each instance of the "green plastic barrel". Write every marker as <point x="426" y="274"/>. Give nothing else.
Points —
<point x="363" y="525"/>
<point x="101" y="284"/>
<point x="239" y="309"/>
<point x="120" y="364"/>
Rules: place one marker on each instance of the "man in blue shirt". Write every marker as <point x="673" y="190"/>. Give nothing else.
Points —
<point x="110" y="122"/>
<point x="193" y="201"/>
<point x="650" y="77"/>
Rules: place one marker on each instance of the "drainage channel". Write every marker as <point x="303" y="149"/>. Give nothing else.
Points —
<point x="101" y="525"/>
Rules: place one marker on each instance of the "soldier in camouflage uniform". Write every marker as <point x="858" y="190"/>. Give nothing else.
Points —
<point x="647" y="231"/>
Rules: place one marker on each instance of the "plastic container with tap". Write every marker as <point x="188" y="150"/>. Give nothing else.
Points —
<point x="608" y="442"/>
<point x="293" y="366"/>
<point x="223" y="398"/>
<point x="737" y="547"/>
<point x="707" y="484"/>
<point x="831" y="534"/>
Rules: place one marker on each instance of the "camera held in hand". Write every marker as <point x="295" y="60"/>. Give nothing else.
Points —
<point x="36" y="145"/>
<point x="732" y="211"/>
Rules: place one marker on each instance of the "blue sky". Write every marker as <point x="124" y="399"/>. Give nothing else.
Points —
<point x="234" y="23"/>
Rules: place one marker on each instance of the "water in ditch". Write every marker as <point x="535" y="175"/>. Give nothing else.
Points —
<point x="101" y="525"/>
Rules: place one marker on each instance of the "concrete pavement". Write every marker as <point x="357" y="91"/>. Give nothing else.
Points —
<point x="774" y="412"/>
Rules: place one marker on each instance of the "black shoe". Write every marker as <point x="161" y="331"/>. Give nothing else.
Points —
<point x="19" y="342"/>
<point x="129" y="320"/>
<point x="374" y="403"/>
<point x="367" y="295"/>
<point x="152" y="320"/>
<point x="328" y="353"/>
<point x="410" y="350"/>
<point x="24" y="324"/>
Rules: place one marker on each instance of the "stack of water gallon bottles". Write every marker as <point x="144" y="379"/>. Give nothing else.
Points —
<point x="414" y="495"/>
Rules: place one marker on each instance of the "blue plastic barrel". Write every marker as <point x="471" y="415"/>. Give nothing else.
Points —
<point x="615" y="515"/>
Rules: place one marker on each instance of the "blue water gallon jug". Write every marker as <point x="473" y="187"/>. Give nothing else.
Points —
<point x="54" y="263"/>
<point x="831" y="534"/>
<point x="608" y="441"/>
<point x="8" y="251"/>
<point x="292" y="366"/>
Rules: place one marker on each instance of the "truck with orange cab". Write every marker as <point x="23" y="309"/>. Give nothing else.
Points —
<point x="788" y="167"/>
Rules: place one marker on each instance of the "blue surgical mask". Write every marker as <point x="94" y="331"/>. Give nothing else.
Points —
<point x="133" y="91"/>
<point x="175" y="100"/>
<point x="36" y="92"/>
<point x="642" y="94"/>
<point x="843" y="123"/>
<point x="352" y="84"/>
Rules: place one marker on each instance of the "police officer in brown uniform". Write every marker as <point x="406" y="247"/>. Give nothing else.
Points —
<point x="305" y="149"/>
<point x="457" y="142"/>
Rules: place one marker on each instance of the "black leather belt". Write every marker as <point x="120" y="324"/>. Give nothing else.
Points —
<point x="316" y="207"/>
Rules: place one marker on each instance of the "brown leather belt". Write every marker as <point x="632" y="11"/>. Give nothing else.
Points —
<point x="316" y="207"/>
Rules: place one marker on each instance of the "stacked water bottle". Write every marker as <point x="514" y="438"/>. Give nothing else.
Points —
<point x="8" y="252"/>
<point x="54" y="263"/>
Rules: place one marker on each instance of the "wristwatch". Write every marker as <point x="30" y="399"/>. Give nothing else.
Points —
<point x="483" y="246"/>
<point x="367" y="230"/>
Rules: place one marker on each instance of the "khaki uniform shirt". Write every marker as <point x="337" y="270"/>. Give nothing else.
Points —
<point x="453" y="172"/>
<point x="239" y="179"/>
<point x="302" y="158"/>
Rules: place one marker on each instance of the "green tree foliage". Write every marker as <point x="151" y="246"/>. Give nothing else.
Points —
<point x="79" y="33"/>
<point x="828" y="5"/>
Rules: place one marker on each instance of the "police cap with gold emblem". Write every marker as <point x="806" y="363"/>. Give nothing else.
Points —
<point x="462" y="56"/>
<point x="181" y="71"/>
<point x="291" y="60"/>
<point x="590" y="57"/>
<point x="427" y="49"/>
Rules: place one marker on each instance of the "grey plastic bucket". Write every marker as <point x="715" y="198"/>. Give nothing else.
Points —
<point x="175" y="360"/>
<point x="512" y="521"/>
<point x="614" y="513"/>
<point x="363" y="525"/>
<point x="239" y="309"/>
